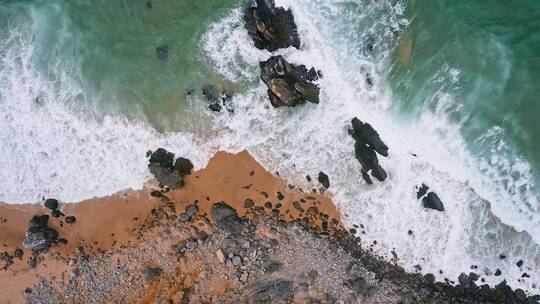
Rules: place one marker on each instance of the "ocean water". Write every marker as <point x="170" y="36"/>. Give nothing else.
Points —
<point x="83" y="96"/>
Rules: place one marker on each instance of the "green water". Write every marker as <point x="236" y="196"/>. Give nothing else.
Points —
<point x="495" y="46"/>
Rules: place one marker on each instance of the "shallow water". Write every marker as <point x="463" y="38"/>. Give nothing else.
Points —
<point x="83" y="96"/>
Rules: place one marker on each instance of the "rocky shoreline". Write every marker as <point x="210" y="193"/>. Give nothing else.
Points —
<point x="233" y="233"/>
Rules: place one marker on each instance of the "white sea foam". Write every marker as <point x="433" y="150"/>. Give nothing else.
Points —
<point x="48" y="151"/>
<point x="306" y="139"/>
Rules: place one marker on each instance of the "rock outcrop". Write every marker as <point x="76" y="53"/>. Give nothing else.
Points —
<point x="39" y="237"/>
<point x="289" y="85"/>
<point x="431" y="200"/>
<point x="218" y="99"/>
<point x="271" y="27"/>
<point x="368" y="144"/>
<point x="169" y="174"/>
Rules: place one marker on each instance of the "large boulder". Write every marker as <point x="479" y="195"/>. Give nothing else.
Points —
<point x="167" y="174"/>
<point x="39" y="236"/>
<point x="226" y="217"/>
<point x="432" y="201"/>
<point x="288" y="85"/>
<point x="270" y="27"/>
<point x="367" y="144"/>
<point x="365" y="133"/>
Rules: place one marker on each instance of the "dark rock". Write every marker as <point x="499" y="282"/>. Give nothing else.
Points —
<point x="280" y="196"/>
<point x="498" y="272"/>
<point x="379" y="173"/>
<point x="422" y="190"/>
<point x="216" y="99"/>
<point x="366" y="156"/>
<point x="525" y="275"/>
<point x="273" y="266"/>
<point x="270" y="27"/>
<point x="191" y="210"/>
<point x="364" y="133"/>
<point x="18" y="253"/>
<point x="156" y="193"/>
<point x="51" y="203"/>
<point x="359" y="285"/>
<point x="502" y="256"/>
<point x="226" y="217"/>
<point x="152" y="273"/>
<point x="148" y="4"/>
<point x="366" y="177"/>
<point x="57" y="213"/>
<point x="183" y="166"/>
<point x="308" y="178"/>
<point x="432" y="201"/>
<point x="324" y="180"/>
<point x="39" y="236"/>
<point x="162" y="157"/>
<point x="519" y="263"/>
<point x="286" y="86"/>
<point x="249" y="203"/>
<point x="70" y="219"/>
<point x="269" y="291"/>
<point x="162" y="52"/>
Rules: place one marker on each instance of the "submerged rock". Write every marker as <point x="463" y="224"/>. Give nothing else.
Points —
<point x="161" y="166"/>
<point x="270" y="27"/>
<point x="288" y="85"/>
<point x="162" y="52"/>
<point x="39" y="236"/>
<point x="432" y="201"/>
<point x="217" y="99"/>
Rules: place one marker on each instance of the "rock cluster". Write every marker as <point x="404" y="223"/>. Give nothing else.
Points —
<point x="289" y="85"/>
<point x="270" y="27"/>
<point x="39" y="236"/>
<point x="218" y="99"/>
<point x="431" y="200"/>
<point x="167" y="171"/>
<point x="367" y="143"/>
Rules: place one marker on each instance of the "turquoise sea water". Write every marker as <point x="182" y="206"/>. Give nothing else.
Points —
<point x="83" y="96"/>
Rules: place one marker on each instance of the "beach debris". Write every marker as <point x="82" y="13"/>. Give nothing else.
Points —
<point x="288" y="84"/>
<point x="39" y="236"/>
<point x="162" y="52"/>
<point x="324" y="180"/>
<point x="270" y="27"/>
<point x="218" y="99"/>
<point x="367" y="143"/>
<point x="161" y="166"/>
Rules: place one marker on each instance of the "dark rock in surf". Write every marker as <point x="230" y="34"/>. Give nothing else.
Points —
<point x="217" y="99"/>
<point x="324" y="180"/>
<point x="422" y="190"/>
<point x="270" y="27"/>
<point x="288" y="85"/>
<point x="367" y="144"/>
<point x="162" y="52"/>
<point x="161" y="166"/>
<point x="51" y="203"/>
<point x="364" y="133"/>
<point x="39" y="237"/>
<point x="432" y="201"/>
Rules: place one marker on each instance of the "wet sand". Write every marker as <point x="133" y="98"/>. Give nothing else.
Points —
<point x="106" y="224"/>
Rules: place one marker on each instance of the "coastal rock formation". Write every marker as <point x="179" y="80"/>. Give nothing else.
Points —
<point x="51" y="203"/>
<point x="270" y="27"/>
<point x="367" y="143"/>
<point x="161" y="166"/>
<point x="431" y="200"/>
<point x="289" y="85"/>
<point x="39" y="236"/>
<point x="217" y="99"/>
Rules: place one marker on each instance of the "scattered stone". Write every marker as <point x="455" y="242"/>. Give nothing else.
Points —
<point x="156" y="193"/>
<point x="270" y="27"/>
<point x="51" y="203"/>
<point x="249" y="203"/>
<point x="269" y="291"/>
<point x="18" y="253"/>
<point x="39" y="236"/>
<point x="432" y="201"/>
<point x="308" y="178"/>
<point x="191" y="210"/>
<point x="226" y="217"/>
<point x="57" y="213"/>
<point x="280" y="196"/>
<point x="519" y="263"/>
<point x="324" y="180"/>
<point x="288" y="85"/>
<point x="152" y="273"/>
